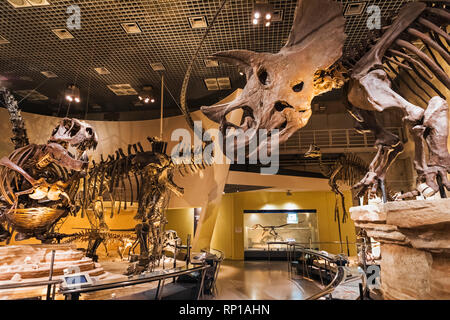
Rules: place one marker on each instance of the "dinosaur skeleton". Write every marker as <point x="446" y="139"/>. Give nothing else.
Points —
<point x="96" y="237"/>
<point x="281" y="86"/>
<point x="147" y="177"/>
<point x="270" y="231"/>
<point x="42" y="184"/>
<point x="38" y="182"/>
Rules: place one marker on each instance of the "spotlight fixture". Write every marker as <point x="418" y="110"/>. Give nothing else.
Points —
<point x="146" y="95"/>
<point x="72" y="93"/>
<point x="262" y="9"/>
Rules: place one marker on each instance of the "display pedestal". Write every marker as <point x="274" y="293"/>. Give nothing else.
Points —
<point x="27" y="263"/>
<point x="415" y="246"/>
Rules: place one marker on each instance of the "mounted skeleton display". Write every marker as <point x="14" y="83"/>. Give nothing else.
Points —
<point x="39" y="182"/>
<point x="42" y="184"/>
<point x="281" y="86"/>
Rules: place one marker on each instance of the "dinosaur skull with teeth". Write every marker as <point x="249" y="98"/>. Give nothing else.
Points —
<point x="77" y="134"/>
<point x="281" y="86"/>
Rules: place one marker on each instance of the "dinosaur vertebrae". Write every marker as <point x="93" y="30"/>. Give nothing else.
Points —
<point x="20" y="137"/>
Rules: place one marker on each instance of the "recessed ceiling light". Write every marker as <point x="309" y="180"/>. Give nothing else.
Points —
<point x="63" y="34"/>
<point x="49" y="74"/>
<point x="355" y="9"/>
<point x="211" y="84"/>
<point x="131" y="27"/>
<point x="28" y="3"/>
<point x="102" y="70"/>
<point x="198" y="22"/>
<point x="211" y="63"/>
<point x="157" y="66"/>
<point x="277" y="15"/>
<point x="123" y="89"/>
<point x="37" y="3"/>
<point x="224" y="83"/>
<point x="3" y="40"/>
<point x="19" y="3"/>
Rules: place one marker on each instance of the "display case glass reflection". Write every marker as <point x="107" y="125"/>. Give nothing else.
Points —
<point x="263" y="226"/>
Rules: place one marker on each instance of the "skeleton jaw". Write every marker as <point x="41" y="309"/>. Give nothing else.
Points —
<point x="283" y="118"/>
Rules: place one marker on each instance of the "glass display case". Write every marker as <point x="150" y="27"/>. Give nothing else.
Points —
<point x="267" y="226"/>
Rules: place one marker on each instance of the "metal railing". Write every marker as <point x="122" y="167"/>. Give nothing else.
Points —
<point x="342" y="273"/>
<point x="333" y="139"/>
<point x="160" y="276"/>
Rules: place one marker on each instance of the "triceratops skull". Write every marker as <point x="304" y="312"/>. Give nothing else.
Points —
<point x="75" y="133"/>
<point x="281" y="86"/>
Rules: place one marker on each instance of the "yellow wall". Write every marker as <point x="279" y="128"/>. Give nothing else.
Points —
<point x="182" y="221"/>
<point x="228" y="234"/>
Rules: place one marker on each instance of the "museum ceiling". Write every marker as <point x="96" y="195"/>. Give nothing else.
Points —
<point x="165" y="37"/>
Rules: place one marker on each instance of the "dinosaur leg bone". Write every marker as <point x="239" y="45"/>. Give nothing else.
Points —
<point x="432" y="175"/>
<point x="389" y="147"/>
<point x="373" y="92"/>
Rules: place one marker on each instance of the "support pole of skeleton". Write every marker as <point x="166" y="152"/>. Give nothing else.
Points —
<point x="162" y="108"/>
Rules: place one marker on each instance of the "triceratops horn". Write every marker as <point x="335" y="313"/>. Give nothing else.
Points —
<point x="217" y="112"/>
<point x="242" y="58"/>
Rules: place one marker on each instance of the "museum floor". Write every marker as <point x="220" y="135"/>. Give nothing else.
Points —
<point x="261" y="280"/>
<point x="238" y="280"/>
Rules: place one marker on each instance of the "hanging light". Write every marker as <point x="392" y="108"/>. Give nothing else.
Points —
<point x="146" y="95"/>
<point x="72" y="93"/>
<point x="262" y="9"/>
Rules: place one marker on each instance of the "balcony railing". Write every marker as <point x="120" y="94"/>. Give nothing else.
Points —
<point x="334" y="140"/>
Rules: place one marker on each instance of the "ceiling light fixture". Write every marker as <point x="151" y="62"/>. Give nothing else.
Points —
<point x="355" y="9"/>
<point x="262" y="9"/>
<point x="72" y="93"/>
<point x="157" y="66"/>
<point x="198" y="22"/>
<point x="122" y="89"/>
<point x="131" y="27"/>
<point x="49" y="74"/>
<point x="146" y="95"/>
<point x="28" y="3"/>
<point x="63" y="34"/>
<point x="102" y="70"/>
<point x="3" y="40"/>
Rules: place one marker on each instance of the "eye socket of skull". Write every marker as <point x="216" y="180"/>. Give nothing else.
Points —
<point x="298" y="87"/>
<point x="75" y="128"/>
<point x="67" y="123"/>
<point x="263" y="76"/>
<point x="89" y="131"/>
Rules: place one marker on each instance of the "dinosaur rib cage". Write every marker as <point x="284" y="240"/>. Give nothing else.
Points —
<point x="429" y="31"/>
<point x="29" y="215"/>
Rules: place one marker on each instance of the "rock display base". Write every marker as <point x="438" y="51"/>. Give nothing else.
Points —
<point x="415" y="246"/>
<point x="29" y="263"/>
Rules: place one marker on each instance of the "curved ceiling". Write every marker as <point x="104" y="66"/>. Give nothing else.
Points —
<point x="166" y="36"/>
